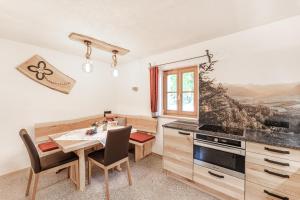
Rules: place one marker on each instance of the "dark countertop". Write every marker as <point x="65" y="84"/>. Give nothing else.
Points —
<point x="289" y="140"/>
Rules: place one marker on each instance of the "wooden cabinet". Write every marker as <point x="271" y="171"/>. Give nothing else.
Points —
<point x="282" y="180"/>
<point x="224" y="186"/>
<point x="273" y="162"/>
<point x="178" y="152"/>
<point x="274" y="151"/>
<point x="272" y="170"/>
<point x="272" y="173"/>
<point x="258" y="192"/>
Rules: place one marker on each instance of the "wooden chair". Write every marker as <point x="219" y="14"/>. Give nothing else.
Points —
<point x="50" y="163"/>
<point x="114" y="154"/>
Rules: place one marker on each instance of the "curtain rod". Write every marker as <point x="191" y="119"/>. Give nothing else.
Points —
<point x="208" y="55"/>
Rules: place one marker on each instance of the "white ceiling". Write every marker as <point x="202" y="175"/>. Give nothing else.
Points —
<point x="145" y="27"/>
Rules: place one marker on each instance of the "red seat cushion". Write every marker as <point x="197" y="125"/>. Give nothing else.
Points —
<point x="141" y="137"/>
<point x="47" y="146"/>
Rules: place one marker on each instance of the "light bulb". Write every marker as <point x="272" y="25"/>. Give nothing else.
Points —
<point x="115" y="72"/>
<point x="87" y="66"/>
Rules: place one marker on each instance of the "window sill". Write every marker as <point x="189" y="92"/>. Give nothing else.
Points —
<point x="178" y="117"/>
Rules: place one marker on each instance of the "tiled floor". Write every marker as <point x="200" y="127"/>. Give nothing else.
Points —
<point x="149" y="183"/>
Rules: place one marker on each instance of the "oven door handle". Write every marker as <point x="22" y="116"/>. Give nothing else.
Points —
<point x="221" y="148"/>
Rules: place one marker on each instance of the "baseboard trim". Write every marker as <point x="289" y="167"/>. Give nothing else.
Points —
<point x="14" y="172"/>
<point x="156" y="154"/>
<point x="27" y="168"/>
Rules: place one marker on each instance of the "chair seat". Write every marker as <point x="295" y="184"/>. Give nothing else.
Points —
<point x="57" y="159"/>
<point x="97" y="156"/>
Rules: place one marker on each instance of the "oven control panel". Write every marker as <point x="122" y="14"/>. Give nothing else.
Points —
<point x="220" y="140"/>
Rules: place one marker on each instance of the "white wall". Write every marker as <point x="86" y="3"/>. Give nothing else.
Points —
<point x="24" y="102"/>
<point x="255" y="55"/>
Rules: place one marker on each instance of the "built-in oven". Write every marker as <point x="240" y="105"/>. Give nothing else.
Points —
<point x="220" y="154"/>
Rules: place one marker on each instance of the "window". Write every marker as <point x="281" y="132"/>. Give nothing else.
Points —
<point x="180" y="92"/>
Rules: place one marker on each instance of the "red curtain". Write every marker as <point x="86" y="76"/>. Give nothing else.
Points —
<point x="154" y="89"/>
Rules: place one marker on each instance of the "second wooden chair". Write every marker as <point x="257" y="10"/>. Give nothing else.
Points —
<point x="114" y="154"/>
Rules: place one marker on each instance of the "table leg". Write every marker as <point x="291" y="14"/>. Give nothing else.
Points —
<point x="73" y="173"/>
<point x="80" y="154"/>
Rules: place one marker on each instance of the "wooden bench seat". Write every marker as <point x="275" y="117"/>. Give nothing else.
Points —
<point x="143" y="142"/>
<point x="141" y="150"/>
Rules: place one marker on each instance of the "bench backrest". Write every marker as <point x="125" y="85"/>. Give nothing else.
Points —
<point x="142" y="123"/>
<point x="42" y="130"/>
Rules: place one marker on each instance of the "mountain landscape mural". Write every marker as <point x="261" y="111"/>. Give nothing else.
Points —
<point x="274" y="107"/>
<point x="284" y="98"/>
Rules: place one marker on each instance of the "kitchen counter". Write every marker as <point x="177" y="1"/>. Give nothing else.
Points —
<point x="289" y="140"/>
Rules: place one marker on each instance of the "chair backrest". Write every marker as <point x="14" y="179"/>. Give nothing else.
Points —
<point x="32" y="151"/>
<point x="117" y="143"/>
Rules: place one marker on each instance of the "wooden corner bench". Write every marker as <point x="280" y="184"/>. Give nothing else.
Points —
<point x="146" y="125"/>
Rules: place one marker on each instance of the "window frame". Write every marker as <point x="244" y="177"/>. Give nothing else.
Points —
<point x="179" y="72"/>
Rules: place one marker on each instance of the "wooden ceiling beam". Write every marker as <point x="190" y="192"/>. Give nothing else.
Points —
<point x="98" y="43"/>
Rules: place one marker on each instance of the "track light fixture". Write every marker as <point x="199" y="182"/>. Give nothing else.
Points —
<point x="88" y="64"/>
<point x="114" y="63"/>
<point x="89" y="42"/>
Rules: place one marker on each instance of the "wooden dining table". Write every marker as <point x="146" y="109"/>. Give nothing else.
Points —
<point x="79" y="146"/>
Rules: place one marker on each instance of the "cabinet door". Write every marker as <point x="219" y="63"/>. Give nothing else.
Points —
<point x="258" y="192"/>
<point x="274" y="151"/>
<point x="178" y="152"/>
<point x="225" y="186"/>
<point x="273" y="162"/>
<point x="282" y="181"/>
